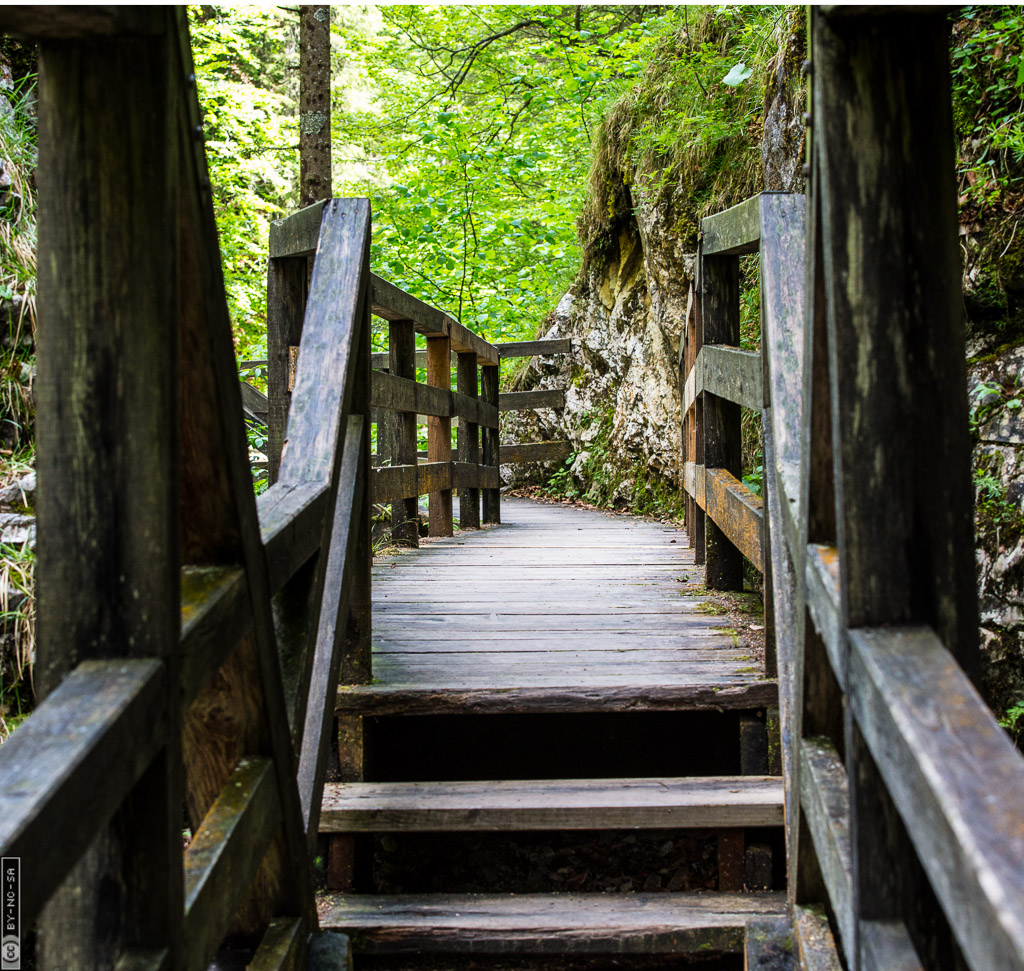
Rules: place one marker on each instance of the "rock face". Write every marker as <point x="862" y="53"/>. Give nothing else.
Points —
<point x="997" y="415"/>
<point x="624" y="315"/>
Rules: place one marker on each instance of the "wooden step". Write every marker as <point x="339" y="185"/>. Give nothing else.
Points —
<point x="692" y="803"/>
<point x="636" y="923"/>
<point x="541" y="696"/>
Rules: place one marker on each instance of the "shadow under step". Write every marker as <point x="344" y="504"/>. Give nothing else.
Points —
<point x="689" y="803"/>
<point x="663" y="923"/>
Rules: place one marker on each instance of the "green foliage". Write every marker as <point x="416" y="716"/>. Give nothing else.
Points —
<point x="475" y="142"/>
<point x="17" y="635"/>
<point x="1013" y="721"/>
<point x="244" y="58"/>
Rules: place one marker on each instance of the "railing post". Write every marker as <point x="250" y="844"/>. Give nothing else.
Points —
<point x="402" y="359"/>
<point x="489" y="392"/>
<point x="439" y="433"/>
<point x="107" y="432"/>
<point x="469" y="440"/>
<point x="696" y="430"/>
<point x="287" y="279"/>
<point x="720" y="316"/>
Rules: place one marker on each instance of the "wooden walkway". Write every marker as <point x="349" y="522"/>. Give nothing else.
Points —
<point x="559" y="609"/>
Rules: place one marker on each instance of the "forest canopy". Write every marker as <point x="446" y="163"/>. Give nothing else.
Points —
<point x="471" y="129"/>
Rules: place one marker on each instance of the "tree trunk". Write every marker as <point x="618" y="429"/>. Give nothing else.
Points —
<point x="314" y="104"/>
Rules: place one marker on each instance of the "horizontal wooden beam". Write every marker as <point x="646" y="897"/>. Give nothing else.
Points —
<point x="707" y="802"/>
<point x="49" y="23"/>
<point x="392" y="303"/>
<point x="224" y="855"/>
<point x="534" y="452"/>
<point x="727" y="372"/>
<point x="71" y="765"/>
<point x="885" y="945"/>
<point x="956" y="779"/>
<point x="297" y="234"/>
<point x="389" y="483"/>
<point x="254" y="402"/>
<point x="734" y="231"/>
<point x="825" y="803"/>
<point x="737" y="511"/>
<point x="542" y="348"/>
<point x="529" y="400"/>
<point x="403" y="394"/>
<point x="821" y="584"/>
<point x="291" y="527"/>
<point x="215" y="615"/>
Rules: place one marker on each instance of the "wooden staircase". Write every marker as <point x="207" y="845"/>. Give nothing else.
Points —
<point x="612" y="631"/>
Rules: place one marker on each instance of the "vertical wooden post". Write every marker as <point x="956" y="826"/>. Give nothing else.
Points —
<point x="439" y="433"/>
<point x="489" y="392"/>
<point x="885" y="161"/>
<point x="402" y="358"/>
<point x="107" y="419"/>
<point x="720" y="311"/>
<point x="286" y="303"/>
<point x="356" y="660"/>
<point x="469" y="440"/>
<point x="697" y="530"/>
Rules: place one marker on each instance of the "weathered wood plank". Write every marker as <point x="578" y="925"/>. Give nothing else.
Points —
<point x="734" y="231"/>
<point x="439" y="436"/>
<point x="560" y="345"/>
<point x="731" y="373"/>
<point x="224" y="855"/>
<point x="550" y="804"/>
<point x="297" y="234"/>
<point x="215" y="616"/>
<point x="815" y="946"/>
<point x="331" y="635"/>
<point x="886" y="946"/>
<point x="941" y="752"/>
<point x="535" y="452"/>
<point x="282" y="948"/>
<point x="391" y="303"/>
<point x="529" y="400"/>
<point x="104" y="721"/>
<point x="821" y="580"/>
<point x="69" y="23"/>
<point x="518" y="698"/>
<point x="551" y="924"/>
<point x="254" y="402"/>
<point x="291" y="518"/>
<point x="402" y="362"/>
<point x="108" y="350"/>
<point x="466" y="475"/>
<point x="825" y="806"/>
<point x="407" y="395"/>
<point x="737" y="512"/>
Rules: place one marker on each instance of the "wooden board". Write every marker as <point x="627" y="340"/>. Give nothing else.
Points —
<point x="535" y="452"/>
<point x="545" y="804"/>
<point x="528" y="400"/>
<point x="550" y="924"/>
<point x="534" y="348"/>
<point x="561" y="609"/>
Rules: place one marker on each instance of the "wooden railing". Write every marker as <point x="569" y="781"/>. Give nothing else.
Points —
<point x="189" y="637"/>
<point x="904" y="818"/>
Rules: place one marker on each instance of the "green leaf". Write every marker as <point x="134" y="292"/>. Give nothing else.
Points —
<point x="737" y="75"/>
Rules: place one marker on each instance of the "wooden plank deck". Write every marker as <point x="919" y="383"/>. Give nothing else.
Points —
<point x="558" y="609"/>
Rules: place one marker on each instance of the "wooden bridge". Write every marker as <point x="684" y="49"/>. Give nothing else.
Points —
<point x="196" y="646"/>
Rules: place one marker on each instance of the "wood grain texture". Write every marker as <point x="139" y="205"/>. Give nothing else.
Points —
<point x="529" y="400"/>
<point x="468" y="383"/>
<point x="512" y="454"/>
<point x="282" y="948"/>
<point x="491" y="496"/>
<point x="886" y="946"/>
<point x="298" y="233"/>
<point x="576" y="610"/>
<point x="107" y="406"/>
<point x="535" y="805"/>
<point x="402" y="363"/>
<point x="551" y="924"/>
<point x="560" y="345"/>
<point x="224" y="855"/>
<point x="439" y="435"/>
<point x="815" y="945"/>
<point x="104" y="721"/>
<point x="734" y="231"/>
<point x="940" y="752"/>
<point x="825" y="803"/>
